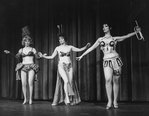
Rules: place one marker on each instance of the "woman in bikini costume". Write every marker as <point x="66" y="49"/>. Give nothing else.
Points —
<point x="26" y="70"/>
<point x="112" y="63"/>
<point x="66" y="88"/>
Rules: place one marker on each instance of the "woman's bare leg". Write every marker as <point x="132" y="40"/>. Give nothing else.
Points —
<point x="65" y="79"/>
<point x="31" y="75"/>
<point x="70" y="73"/>
<point x="108" y="72"/>
<point x="24" y="83"/>
<point x="116" y="89"/>
<point x="70" y="87"/>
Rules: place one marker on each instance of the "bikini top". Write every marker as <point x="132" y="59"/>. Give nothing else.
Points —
<point x="64" y="54"/>
<point x="30" y="53"/>
<point x="103" y="44"/>
<point x="110" y="43"/>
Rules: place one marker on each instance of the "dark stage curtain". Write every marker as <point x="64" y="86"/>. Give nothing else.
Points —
<point x="82" y="22"/>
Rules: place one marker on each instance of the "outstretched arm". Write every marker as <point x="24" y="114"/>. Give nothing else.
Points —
<point x="49" y="57"/>
<point x="37" y="56"/>
<point x="80" y="49"/>
<point x="15" y="56"/>
<point x="95" y="45"/>
<point x="121" y="38"/>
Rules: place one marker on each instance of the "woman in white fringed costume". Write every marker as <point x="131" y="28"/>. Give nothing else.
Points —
<point x="66" y="88"/>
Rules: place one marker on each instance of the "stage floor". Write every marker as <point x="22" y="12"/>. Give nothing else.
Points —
<point x="44" y="108"/>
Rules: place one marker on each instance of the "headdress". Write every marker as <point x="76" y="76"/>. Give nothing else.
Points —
<point x="61" y="32"/>
<point x="26" y="35"/>
<point x="25" y="31"/>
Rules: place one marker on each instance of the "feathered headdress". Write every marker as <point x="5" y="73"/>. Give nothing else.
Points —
<point x="26" y="35"/>
<point x="25" y="31"/>
<point x="61" y="32"/>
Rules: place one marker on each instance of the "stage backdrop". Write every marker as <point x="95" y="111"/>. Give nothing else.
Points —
<point x="82" y="21"/>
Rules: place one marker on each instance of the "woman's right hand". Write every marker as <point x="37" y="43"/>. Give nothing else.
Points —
<point x="41" y="55"/>
<point x="7" y="52"/>
<point x="79" y="58"/>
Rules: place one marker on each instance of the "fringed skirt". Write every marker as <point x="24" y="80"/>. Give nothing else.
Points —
<point x="26" y="67"/>
<point x="59" y="95"/>
<point x="114" y="63"/>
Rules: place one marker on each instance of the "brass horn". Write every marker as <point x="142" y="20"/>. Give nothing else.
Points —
<point x="139" y="34"/>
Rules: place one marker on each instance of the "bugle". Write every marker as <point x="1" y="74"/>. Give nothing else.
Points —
<point x="138" y="34"/>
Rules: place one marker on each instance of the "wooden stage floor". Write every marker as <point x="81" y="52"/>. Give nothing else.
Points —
<point x="44" y="108"/>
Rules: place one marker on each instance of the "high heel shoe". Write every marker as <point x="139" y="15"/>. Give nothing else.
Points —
<point x="108" y="107"/>
<point x="116" y="106"/>
<point x="54" y="104"/>
<point x="67" y="104"/>
<point x="24" y="102"/>
<point x="30" y="102"/>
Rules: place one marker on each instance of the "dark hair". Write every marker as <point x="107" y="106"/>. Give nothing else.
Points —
<point x="62" y="35"/>
<point x="108" y="21"/>
<point x="108" y="25"/>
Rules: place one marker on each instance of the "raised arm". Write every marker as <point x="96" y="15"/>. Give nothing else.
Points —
<point x="121" y="38"/>
<point x="95" y="45"/>
<point x="80" y="49"/>
<point x="52" y="56"/>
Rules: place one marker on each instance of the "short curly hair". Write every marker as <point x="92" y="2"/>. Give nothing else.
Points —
<point x="63" y="35"/>
<point x="27" y="37"/>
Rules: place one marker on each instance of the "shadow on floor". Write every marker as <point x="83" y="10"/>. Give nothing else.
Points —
<point x="44" y="108"/>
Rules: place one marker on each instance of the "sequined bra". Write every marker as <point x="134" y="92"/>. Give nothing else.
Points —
<point x="110" y="42"/>
<point x="64" y="54"/>
<point x="103" y="44"/>
<point x="30" y="53"/>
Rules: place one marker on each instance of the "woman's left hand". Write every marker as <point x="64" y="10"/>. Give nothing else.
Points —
<point x="40" y="54"/>
<point x="138" y="29"/>
<point x="79" y="58"/>
<point x="88" y="45"/>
